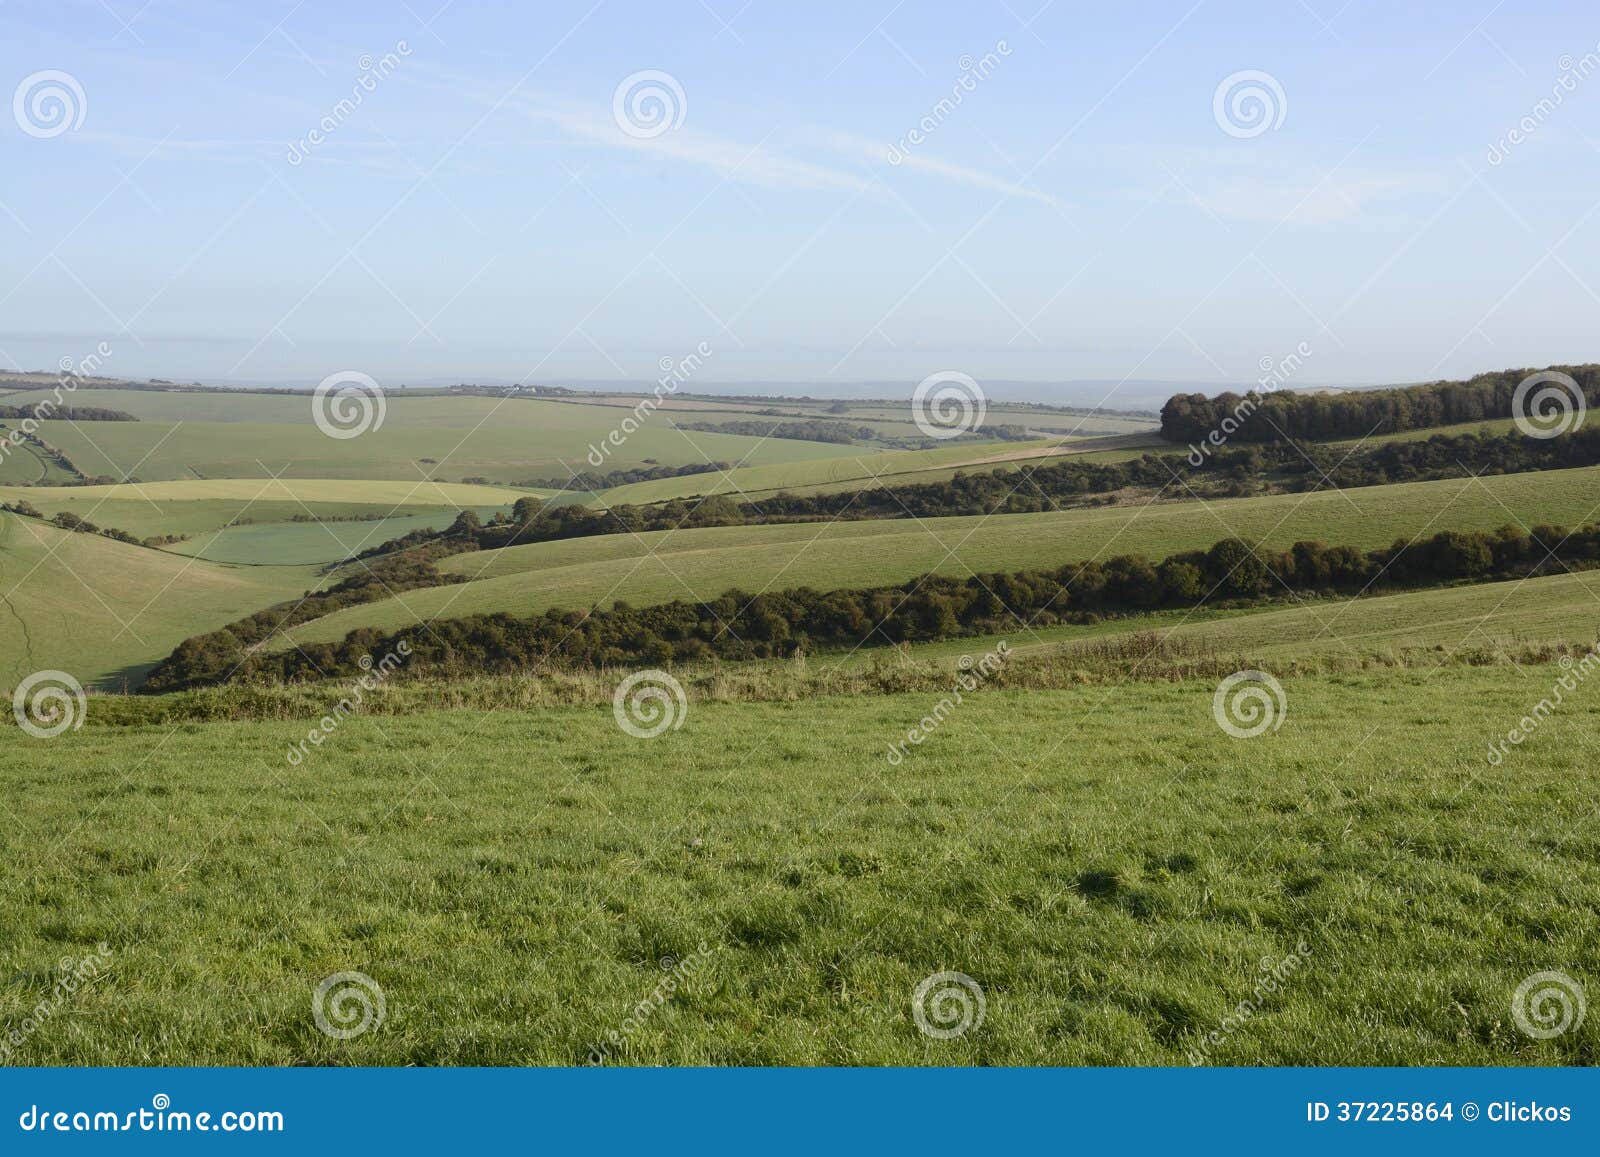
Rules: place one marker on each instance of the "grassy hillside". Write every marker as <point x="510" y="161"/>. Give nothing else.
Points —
<point x="106" y="612"/>
<point x="661" y="566"/>
<point x="23" y="463"/>
<point x="1487" y="426"/>
<point x="896" y="467"/>
<point x="1563" y="608"/>
<point x="276" y="543"/>
<point x="521" y="900"/>
<point x="906" y="468"/>
<point x="1126" y="448"/>
<point x="513" y="869"/>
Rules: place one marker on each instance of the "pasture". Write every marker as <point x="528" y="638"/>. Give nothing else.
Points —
<point x="1113" y="870"/>
<point x="303" y="543"/>
<point x="22" y="462"/>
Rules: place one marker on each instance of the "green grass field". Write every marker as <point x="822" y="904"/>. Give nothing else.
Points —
<point x="1487" y="426"/>
<point x="703" y="563"/>
<point x="296" y="543"/>
<point x="106" y="612"/>
<point x="1112" y="870"/>
<point x="1008" y="414"/>
<point x="910" y="467"/>
<point x="22" y="463"/>
<point x="945" y="473"/>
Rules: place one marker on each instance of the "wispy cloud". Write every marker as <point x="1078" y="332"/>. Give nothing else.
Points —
<point x="1295" y="201"/>
<point x="933" y="166"/>
<point x="758" y="164"/>
<point x="762" y="163"/>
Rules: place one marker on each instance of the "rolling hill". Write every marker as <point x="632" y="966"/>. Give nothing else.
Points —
<point x="897" y="467"/>
<point x="703" y="563"/>
<point x="105" y="612"/>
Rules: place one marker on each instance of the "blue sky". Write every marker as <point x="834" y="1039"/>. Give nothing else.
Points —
<point x="1080" y="214"/>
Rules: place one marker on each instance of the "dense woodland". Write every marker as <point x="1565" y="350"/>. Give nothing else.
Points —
<point x="1268" y="417"/>
<point x="742" y="626"/>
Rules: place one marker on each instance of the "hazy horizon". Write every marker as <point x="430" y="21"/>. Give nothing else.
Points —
<point x="1172" y="194"/>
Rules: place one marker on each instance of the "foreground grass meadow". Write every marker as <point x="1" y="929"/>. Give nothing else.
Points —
<point x="1114" y="871"/>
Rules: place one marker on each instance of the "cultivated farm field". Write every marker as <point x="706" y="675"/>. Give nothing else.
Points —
<point x="447" y="438"/>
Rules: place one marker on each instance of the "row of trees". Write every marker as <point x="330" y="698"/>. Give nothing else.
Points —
<point x="66" y="520"/>
<point x="41" y="411"/>
<point x="816" y="430"/>
<point x="1051" y="485"/>
<point x="590" y="481"/>
<point x="742" y="626"/>
<point x="1268" y="417"/>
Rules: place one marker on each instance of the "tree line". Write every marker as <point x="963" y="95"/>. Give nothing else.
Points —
<point x="1271" y="416"/>
<point x="1052" y="485"/>
<point x="591" y="482"/>
<point x="41" y="411"/>
<point x="66" y="520"/>
<point x="817" y="430"/>
<point x="740" y="626"/>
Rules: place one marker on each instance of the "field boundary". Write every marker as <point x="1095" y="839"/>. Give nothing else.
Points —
<point x="1141" y="658"/>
